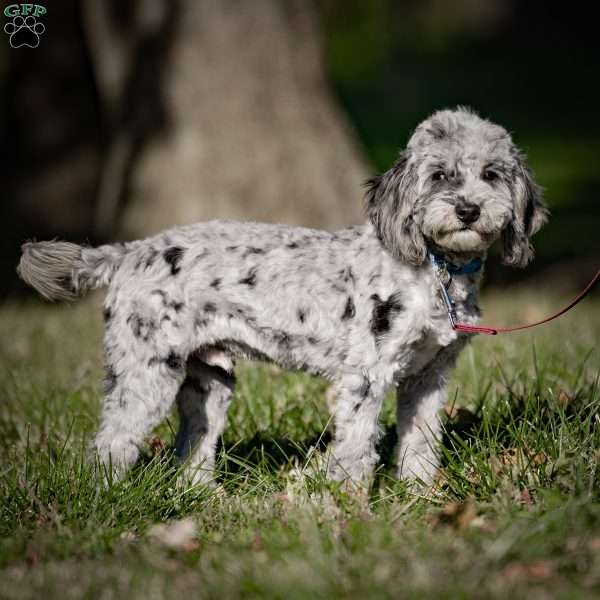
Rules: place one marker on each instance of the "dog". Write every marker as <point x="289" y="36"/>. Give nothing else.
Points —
<point x="360" y="307"/>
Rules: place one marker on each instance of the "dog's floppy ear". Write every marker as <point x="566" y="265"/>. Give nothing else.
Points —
<point x="390" y="202"/>
<point x="529" y="216"/>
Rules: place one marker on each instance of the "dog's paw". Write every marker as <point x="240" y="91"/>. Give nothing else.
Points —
<point x="418" y="472"/>
<point x="190" y="477"/>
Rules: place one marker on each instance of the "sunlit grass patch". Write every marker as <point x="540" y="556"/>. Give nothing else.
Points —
<point x="514" y="509"/>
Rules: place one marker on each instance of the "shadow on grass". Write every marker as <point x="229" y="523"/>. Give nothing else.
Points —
<point x="266" y="455"/>
<point x="270" y="453"/>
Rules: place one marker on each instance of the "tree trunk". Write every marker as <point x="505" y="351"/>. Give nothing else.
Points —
<point x="252" y="130"/>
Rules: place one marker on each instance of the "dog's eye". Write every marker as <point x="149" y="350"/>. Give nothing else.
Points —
<point x="438" y="176"/>
<point x="490" y="175"/>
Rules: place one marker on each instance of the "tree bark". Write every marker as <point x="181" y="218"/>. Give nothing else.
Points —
<point x="252" y="130"/>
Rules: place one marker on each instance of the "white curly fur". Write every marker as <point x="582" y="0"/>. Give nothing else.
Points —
<point x="359" y="306"/>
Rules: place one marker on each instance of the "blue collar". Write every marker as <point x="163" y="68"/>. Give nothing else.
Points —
<point x="471" y="267"/>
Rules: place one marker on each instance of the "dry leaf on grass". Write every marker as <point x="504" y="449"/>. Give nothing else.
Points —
<point x="458" y="515"/>
<point x="526" y="498"/>
<point x="516" y="460"/>
<point x="156" y="444"/>
<point x="594" y="544"/>
<point x="451" y="410"/>
<point x="538" y="570"/>
<point x="472" y="475"/>
<point x="257" y="543"/>
<point x="176" y="535"/>
<point x="564" y="399"/>
<point x="127" y="536"/>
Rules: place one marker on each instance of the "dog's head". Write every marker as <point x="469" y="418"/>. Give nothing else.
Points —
<point x="460" y="184"/>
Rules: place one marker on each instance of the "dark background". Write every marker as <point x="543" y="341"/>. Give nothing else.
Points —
<point x="530" y="66"/>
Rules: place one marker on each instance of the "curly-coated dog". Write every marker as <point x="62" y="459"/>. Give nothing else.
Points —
<point x="359" y="307"/>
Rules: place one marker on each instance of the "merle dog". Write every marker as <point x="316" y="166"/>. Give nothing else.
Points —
<point x="359" y="307"/>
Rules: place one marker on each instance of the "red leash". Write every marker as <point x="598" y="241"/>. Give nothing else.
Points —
<point x="495" y="330"/>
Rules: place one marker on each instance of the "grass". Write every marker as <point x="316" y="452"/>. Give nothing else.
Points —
<point x="515" y="509"/>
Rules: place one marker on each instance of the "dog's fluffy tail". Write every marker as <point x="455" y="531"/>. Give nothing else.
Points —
<point x="65" y="271"/>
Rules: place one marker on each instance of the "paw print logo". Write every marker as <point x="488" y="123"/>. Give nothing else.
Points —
<point x="24" y="31"/>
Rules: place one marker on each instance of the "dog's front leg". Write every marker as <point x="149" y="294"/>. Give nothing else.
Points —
<point x="418" y="424"/>
<point x="357" y="430"/>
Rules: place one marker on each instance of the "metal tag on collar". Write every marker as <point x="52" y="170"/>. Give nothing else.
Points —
<point x="444" y="279"/>
<point x="440" y="268"/>
<point x="450" y="306"/>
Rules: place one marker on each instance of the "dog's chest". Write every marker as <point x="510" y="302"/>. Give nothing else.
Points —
<point x="422" y="330"/>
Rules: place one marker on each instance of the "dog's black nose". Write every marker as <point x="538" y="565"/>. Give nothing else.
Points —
<point x="467" y="212"/>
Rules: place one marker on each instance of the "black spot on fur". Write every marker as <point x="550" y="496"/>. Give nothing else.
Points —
<point x="437" y="130"/>
<point x="201" y="322"/>
<point x="110" y="379"/>
<point x="383" y="313"/>
<point x="349" y="310"/>
<point x="107" y="314"/>
<point x="347" y="275"/>
<point x="174" y="361"/>
<point x="135" y="322"/>
<point x="292" y="245"/>
<point x="375" y="275"/>
<point x="356" y="407"/>
<point x="142" y="328"/>
<point x="282" y="339"/>
<point x="173" y="257"/>
<point x="312" y="340"/>
<point x="252" y="250"/>
<point x="216" y="283"/>
<point x="201" y="255"/>
<point x="174" y="304"/>
<point x="250" y="279"/>
<point x="338" y="289"/>
<point x="210" y="307"/>
<point x="364" y="389"/>
<point x="150" y="258"/>
<point x="301" y="315"/>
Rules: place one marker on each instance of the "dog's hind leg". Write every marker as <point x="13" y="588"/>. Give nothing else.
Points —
<point x="137" y="400"/>
<point x="202" y="402"/>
